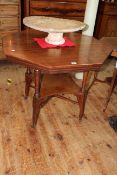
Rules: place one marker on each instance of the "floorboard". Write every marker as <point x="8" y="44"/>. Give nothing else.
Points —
<point x="59" y="145"/>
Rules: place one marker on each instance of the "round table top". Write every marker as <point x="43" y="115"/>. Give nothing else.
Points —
<point x="52" y="24"/>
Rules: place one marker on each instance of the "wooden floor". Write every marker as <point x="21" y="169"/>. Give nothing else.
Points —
<point x="59" y="145"/>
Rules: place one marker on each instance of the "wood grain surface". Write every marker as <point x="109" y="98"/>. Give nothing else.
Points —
<point x="59" y="145"/>
<point x="88" y="54"/>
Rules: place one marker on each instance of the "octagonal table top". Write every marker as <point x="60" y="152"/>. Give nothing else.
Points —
<point x="87" y="54"/>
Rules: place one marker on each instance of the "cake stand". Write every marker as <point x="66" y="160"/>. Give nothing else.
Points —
<point x="55" y="27"/>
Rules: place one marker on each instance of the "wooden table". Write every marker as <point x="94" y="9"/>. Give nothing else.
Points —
<point x="52" y="67"/>
<point x="112" y="41"/>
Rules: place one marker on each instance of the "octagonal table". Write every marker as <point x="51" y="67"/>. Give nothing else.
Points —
<point x="52" y="66"/>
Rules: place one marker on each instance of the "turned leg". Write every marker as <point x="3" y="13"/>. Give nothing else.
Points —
<point x="95" y="75"/>
<point x="28" y="80"/>
<point x="83" y="96"/>
<point x="36" y="97"/>
<point x="82" y="101"/>
<point x="111" y="87"/>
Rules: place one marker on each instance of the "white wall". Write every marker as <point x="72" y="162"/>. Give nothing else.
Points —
<point x="89" y="19"/>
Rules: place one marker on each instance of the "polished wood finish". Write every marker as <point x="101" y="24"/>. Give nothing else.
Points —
<point x="112" y="41"/>
<point x="53" y="86"/>
<point x="112" y="84"/>
<point x="73" y="9"/>
<point x="9" y="19"/>
<point x="59" y="145"/>
<point x="88" y="55"/>
<point x="106" y="23"/>
<point x="85" y="54"/>
<point x="114" y="53"/>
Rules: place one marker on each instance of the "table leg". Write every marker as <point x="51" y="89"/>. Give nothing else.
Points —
<point x="28" y="81"/>
<point x="82" y="101"/>
<point x="83" y="96"/>
<point x="36" y="97"/>
<point x="88" y="80"/>
<point x="111" y="87"/>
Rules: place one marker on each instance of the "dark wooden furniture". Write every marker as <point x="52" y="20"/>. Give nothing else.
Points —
<point x="106" y="22"/>
<point x="112" y="85"/>
<point x="73" y="9"/>
<point x="112" y="42"/>
<point x="9" y="19"/>
<point x="113" y="81"/>
<point x="52" y="66"/>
